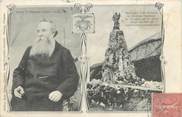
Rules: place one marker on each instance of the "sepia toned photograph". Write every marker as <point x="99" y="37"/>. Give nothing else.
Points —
<point x="125" y="56"/>
<point x="43" y="54"/>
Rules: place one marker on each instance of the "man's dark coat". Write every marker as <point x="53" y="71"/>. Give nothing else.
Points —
<point x="40" y="75"/>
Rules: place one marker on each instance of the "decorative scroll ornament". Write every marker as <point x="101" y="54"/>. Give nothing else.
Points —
<point x="83" y="8"/>
<point x="11" y="7"/>
<point x="6" y="57"/>
<point x="159" y="5"/>
<point x="83" y="23"/>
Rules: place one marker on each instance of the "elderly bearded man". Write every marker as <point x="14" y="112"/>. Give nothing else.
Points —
<point x="46" y="75"/>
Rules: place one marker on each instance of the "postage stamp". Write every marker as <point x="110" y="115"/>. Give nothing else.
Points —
<point x="166" y="105"/>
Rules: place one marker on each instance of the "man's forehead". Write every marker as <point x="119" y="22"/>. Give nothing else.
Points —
<point x="44" y="24"/>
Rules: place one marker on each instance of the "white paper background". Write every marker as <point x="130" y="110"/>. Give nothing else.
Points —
<point x="172" y="54"/>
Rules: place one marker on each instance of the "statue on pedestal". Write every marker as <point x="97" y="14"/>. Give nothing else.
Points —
<point x="117" y="65"/>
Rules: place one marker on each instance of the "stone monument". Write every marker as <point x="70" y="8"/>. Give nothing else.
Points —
<point x="118" y="67"/>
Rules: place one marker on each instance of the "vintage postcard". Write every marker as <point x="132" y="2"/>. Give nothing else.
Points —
<point x="91" y="58"/>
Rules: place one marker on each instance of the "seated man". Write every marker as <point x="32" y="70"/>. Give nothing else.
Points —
<point x="46" y="75"/>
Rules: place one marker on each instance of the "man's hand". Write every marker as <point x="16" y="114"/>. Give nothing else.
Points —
<point x="19" y="91"/>
<point x="55" y="96"/>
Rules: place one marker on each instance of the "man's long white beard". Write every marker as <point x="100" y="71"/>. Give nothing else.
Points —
<point x="43" y="47"/>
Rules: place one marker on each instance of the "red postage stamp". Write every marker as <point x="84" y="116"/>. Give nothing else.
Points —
<point x="167" y="105"/>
